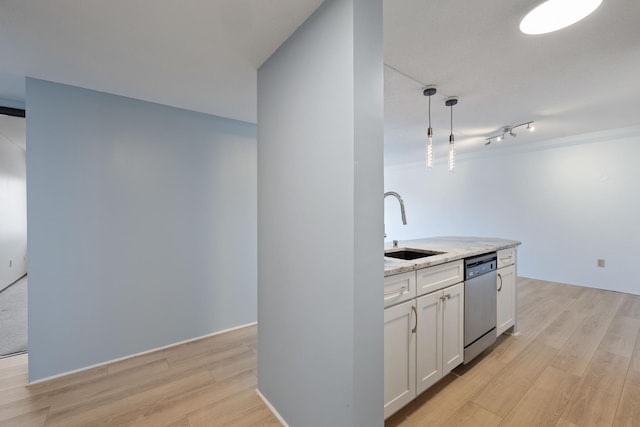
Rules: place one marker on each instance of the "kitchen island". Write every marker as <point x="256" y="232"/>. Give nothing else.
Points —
<point x="453" y="248"/>
<point x="425" y="300"/>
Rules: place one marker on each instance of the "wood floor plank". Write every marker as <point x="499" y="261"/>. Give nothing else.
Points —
<point x="551" y="391"/>
<point x="508" y="386"/>
<point x="225" y="411"/>
<point x="628" y="410"/>
<point x="595" y="398"/>
<point x="95" y="392"/>
<point x="620" y="338"/>
<point x="576" y="354"/>
<point x="35" y="418"/>
<point x="174" y="407"/>
<point x="125" y="411"/>
<point x="630" y="307"/>
<point x="564" y="423"/>
<point x="472" y="415"/>
<point x="562" y="328"/>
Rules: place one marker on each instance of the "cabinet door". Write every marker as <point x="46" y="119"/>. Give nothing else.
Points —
<point x="452" y="327"/>
<point x="429" y="352"/>
<point x="506" y="286"/>
<point x="399" y="356"/>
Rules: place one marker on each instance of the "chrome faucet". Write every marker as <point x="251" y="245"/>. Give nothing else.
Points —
<point x="397" y="196"/>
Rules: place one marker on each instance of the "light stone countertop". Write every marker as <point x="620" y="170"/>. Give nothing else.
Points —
<point x="454" y="248"/>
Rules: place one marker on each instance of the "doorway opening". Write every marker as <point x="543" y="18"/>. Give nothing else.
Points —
<point x="13" y="232"/>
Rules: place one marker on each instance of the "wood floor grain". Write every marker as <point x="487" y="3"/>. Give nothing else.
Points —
<point x="208" y="382"/>
<point x="575" y="362"/>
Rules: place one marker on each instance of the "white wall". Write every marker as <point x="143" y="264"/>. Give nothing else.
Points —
<point x="569" y="201"/>
<point x="320" y="269"/>
<point x="142" y="226"/>
<point x="13" y="207"/>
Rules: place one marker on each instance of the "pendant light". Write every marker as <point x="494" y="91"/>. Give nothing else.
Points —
<point x="450" y="102"/>
<point x="429" y="91"/>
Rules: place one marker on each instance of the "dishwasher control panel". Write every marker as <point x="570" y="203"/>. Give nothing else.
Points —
<point x="477" y="266"/>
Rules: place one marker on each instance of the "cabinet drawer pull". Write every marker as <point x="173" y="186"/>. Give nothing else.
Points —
<point x="506" y="258"/>
<point x="415" y="312"/>
<point x="500" y="277"/>
<point x="398" y="292"/>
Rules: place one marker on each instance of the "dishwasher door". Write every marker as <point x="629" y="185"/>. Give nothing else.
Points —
<point x="479" y="314"/>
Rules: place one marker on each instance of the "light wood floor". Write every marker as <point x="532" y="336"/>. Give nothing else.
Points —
<point x="210" y="382"/>
<point x="575" y="363"/>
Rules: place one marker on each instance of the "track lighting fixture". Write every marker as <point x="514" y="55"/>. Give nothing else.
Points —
<point x="429" y="91"/>
<point x="450" y="102"/>
<point x="509" y="130"/>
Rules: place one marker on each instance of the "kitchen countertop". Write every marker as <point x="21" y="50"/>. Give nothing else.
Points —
<point x="454" y="248"/>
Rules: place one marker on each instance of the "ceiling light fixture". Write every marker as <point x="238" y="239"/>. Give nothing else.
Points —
<point x="429" y="91"/>
<point x="553" y="15"/>
<point x="509" y="130"/>
<point x="450" y="102"/>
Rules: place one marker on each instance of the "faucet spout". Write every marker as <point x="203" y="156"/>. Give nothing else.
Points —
<point x="397" y="196"/>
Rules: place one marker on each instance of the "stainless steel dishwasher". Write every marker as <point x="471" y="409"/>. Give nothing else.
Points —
<point x="479" y="304"/>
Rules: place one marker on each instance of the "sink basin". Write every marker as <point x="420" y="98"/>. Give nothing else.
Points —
<point x="409" y="254"/>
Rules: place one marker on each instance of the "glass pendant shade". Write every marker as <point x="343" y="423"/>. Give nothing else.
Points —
<point x="452" y="154"/>
<point x="429" y="150"/>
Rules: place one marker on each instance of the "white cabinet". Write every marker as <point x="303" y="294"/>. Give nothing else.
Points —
<point x="399" y="356"/>
<point x="399" y="287"/>
<point x="506" y="257"/>
<point x="506" y="304"/>
<point x="506" y="288"/>
<point x="440" y="335"/>
<point x="431" y="279"/>
<point x="423" y="337"/>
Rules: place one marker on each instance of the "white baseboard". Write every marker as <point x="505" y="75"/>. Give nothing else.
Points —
<point x="272" y="409"/>
<point x="131" y="356"/>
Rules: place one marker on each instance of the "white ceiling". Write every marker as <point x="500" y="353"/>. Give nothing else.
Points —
<point x="203" y="55"/>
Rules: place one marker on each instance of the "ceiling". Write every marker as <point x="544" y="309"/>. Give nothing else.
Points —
<point x="202" y="55"/>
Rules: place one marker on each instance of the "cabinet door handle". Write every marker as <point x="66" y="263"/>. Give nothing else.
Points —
<point x="415" y="312"/>
<point x="500" y="277"/>
<point x="395" y="292"/>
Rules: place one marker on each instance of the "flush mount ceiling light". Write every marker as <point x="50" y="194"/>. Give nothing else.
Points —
<point x="509" y="130"/>
<point x="429" y="91"/>
<point x="553" y="15"/>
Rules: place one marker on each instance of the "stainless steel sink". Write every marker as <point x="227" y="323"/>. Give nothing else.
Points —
<point x="409" y="253"/>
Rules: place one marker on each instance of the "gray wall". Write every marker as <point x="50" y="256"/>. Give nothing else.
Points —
<point x="320" y="313"/>
<point x="13" y="207"/>
<point x="142" y="226"/>
<point x="570" y="202"/>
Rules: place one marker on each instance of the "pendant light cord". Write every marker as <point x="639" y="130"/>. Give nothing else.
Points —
<point x="429" y="110"/>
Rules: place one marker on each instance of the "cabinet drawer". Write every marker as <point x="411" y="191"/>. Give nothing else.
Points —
<point x="399" y="288"/>
<point x="431" y="279"/>
<point x="506" y="257"/>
